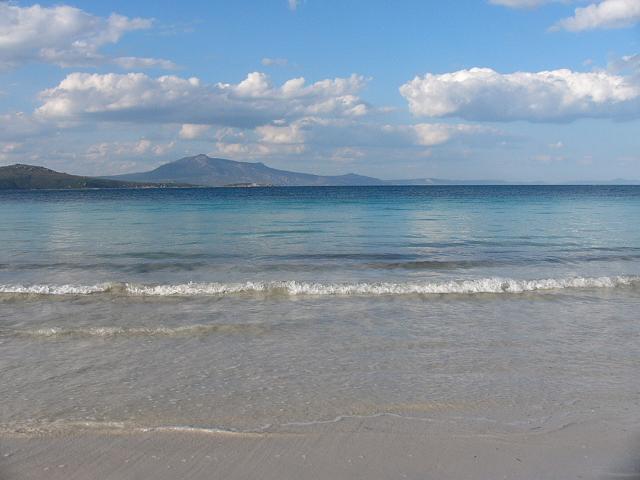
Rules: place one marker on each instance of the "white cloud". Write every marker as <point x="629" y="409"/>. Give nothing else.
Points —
<point x="65" y="36"/>
<point x="293" y="4"/>
<point x="605" y="14"/>
<point x="98" y="150"/>
<point x="171" y="99"/>
<point x="601" y="14"/>
<point x="252" y="150"/>
<point x="288" y="134"/>
<point x="264" y="141"/>
<point x="350" y="133"/>
<point x="344" y="139"/>
<point x="274" y="62"/>
<point x="555" y="96"/>
<point x="191" y="131"/>
<point x="140" y="148"/>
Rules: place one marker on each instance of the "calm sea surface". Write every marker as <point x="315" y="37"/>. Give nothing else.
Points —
<point x="493" y="308"/>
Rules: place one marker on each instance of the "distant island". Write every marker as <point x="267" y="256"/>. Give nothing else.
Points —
<point x="219" y="172"/>
<point x="31" y="177"/>
<point x="246" y="185"/>
<point x="204" y="171"/>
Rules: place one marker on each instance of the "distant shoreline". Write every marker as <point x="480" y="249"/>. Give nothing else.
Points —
<point x="231" y="187"/>
<point x="201" y="171"/>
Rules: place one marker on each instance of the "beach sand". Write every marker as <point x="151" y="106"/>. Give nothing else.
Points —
<point x="382" y="447"/>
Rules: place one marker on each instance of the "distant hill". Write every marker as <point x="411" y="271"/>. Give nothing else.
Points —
<point x="218" y="172"/>
<point x="615" y="181"/>
<point x="201" y="170"/>
<point x="25" y="177"/>
<point x="444" y="181"/>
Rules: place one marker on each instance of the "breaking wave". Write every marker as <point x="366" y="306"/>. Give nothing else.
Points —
<point x="293" y="288"/>
<point x="56" y="289"/>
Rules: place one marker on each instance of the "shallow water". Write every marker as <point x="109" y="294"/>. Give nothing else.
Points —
<point x="497" y="308"/>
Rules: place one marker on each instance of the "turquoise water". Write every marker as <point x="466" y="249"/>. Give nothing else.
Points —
<point x="498" y="307"/>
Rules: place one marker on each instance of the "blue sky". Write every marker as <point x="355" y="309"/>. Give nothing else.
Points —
<point x="506" y="89"/>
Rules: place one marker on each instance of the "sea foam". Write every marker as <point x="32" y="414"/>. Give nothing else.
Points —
<point x="143" y="331"/>
<point x="56" y="289"/>
<point x="492" y="285"/>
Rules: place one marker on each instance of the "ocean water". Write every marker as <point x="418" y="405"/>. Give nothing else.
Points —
<point x="508" y="309"/>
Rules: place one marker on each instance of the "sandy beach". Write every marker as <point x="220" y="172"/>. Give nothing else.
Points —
<point x="383" y="447"/>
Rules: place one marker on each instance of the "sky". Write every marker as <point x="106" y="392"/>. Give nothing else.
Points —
<point x="516" y="90"/>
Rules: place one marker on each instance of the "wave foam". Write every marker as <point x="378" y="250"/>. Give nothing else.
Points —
<point x="115" y="427"/>
<point x="186" y="330"/>
<point x="293" y="288"/>
<point x="55" y="289"/>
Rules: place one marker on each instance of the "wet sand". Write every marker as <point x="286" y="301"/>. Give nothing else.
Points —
<point x="370" y="448"/>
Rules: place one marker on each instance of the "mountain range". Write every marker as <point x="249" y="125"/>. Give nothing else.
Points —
<point x="204" y="171"/>
<point x="218" y="172"/>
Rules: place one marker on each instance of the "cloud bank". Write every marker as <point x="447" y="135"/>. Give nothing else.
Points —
<point x="171" y="99"/>
<point x="253" y="118"/>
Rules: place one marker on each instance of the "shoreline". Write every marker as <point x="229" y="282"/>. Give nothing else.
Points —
<point x="353" y="448"/>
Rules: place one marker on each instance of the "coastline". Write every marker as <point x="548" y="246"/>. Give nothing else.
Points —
<point x="369" y="448"/>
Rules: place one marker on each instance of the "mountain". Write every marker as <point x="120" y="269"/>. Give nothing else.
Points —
<point x="217" y="172"/>
<point x="201" y="170"/>
<point x="25" y="177"/>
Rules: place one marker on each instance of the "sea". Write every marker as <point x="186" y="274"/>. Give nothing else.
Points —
<point x="506" y="309"/>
